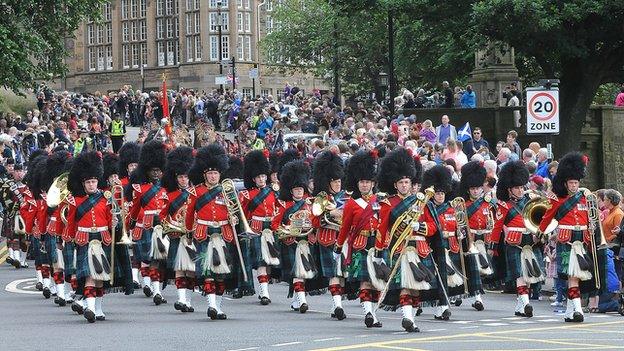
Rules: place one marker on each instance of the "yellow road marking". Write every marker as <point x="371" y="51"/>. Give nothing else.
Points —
<point x="545" y="341"/>
<point x="468" y="335"/>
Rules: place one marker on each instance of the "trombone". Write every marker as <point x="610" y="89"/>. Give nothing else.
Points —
<point x="230" y="196"/>
<point x="459" y="204"/>
<point x="116" y="197"/>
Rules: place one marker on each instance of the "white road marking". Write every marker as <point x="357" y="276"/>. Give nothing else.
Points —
<point x="469" y="327"/>
<point x="288" y="343"/>
<point x="488" y="320"/>
<point x="550" y="320"/>
<point x="399" y="333"/>
<point x="512" y="318"/>
<point x="247" y="349"/>
<point x="327" y="339"/>
<point x="523" y="322"/>
<point x="435" y="330"/>
<point x="461" y="322"/>
<point x="495" y="324"/>
<point x="12" y="287"/>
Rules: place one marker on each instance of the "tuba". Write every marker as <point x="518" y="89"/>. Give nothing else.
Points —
<point x="58" y="190"/>
<point x="534" y="211"/>
<point x="300" y="226"/>
<point x="321" y="206"/>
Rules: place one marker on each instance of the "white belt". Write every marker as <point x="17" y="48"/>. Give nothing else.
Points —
<point x="573" y="227"/>
<point x="53" y="218"/>
<point x="479" y="231"/>
<point x="92" y="229"/>
<point x="139" y="225"/>
<point x="518" y="229"/>
<point x="417" y="238"/>
<point x="263" y="219"/>
<point x="212" y="224"/>
<point x="448" y="234"/>
<point x="151" y="212"/>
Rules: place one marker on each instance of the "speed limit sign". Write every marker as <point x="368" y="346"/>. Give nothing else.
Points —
<point x="542" y="111"/>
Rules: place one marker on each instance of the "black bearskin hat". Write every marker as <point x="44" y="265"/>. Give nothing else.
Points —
<point x="438" y="177"/>
<point x="179" y="161"/>
<point x="472" y="176"/>
<point x="511" y="174"/>
<point x="294" y="174"/>
<point x="208" y="158"/>
<point x="254" y="164"/>
<point x="362" y="166"/>
<point x="111" y="166"/>
<point x="235" y="168"/>
<point x="36" y="167"/>
<point x="128" y="153"/>
<point x="86" y="166"/>
<point x="396" y="165"/>
<point x="571" y="166"/>
<point x="54" y="166"/>
<point x="327" y="166"/>
<point x="278" y="159"/>
<point x="153" y="155"/>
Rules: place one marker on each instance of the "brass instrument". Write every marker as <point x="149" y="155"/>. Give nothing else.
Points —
<point x="228" y="190"/>
<point x="119" y="210"/>
<point x="300" y="226"/>
<point x="58" y="190"/>
<point x="177" y="225"/>
<point x="594" y="224"/>
<point x="322" y="205"/>
<point x="534" y="211"/>
<point x="459" y="204"/>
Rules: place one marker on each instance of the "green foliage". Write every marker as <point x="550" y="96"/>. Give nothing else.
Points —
<point x="13" y="103"/>
<point x="32" y="37"/>
<point x="606" y="93"/>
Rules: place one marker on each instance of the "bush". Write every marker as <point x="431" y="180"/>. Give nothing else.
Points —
<point x="11" y="102"/>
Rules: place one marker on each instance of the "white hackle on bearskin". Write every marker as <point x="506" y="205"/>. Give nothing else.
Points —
<point x="97" y="257"/>
<point x="528" y="255"/>
<point x="160" y="244"/>
<point x="216" y="244"/>
<point x="408" y="281"/>
<point x="480" y="246"/>
<point x="303" y="249"/>
<point x="574" y="268"/>
<point x="265" y="238"/>
<point x="378" y="283"/>
<point x="183" y="261"/>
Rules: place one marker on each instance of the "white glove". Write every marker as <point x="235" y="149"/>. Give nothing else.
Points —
<point x="337" y="256"/>
<point x="379" y="260"/>
<point x="416" y="226"/>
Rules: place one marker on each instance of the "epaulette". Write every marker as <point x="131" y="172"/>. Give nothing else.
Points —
<point x="503" y="204"/>
<point x="71" y="200"/>
<point x="245" y="194"/>
<point x="552" y="196"/>
<point x="282" y="203"/>
<point x="191" y="190"/>
<point x="137" y="188"/>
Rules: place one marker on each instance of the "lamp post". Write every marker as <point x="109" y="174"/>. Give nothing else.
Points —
<point x="383" y="83"/>
<point x="391" y="80"/>
<point x="220" y="56"/>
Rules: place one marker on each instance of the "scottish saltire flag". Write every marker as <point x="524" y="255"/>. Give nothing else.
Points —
<point x="464" y="132"/>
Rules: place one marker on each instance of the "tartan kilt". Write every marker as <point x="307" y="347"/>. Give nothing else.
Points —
<point x="326" y="265"/>
<point x="50" y="246"/>
<point x="237" y="270"/>
<point x="143" y="246"/>
<point x="68" y="258"/>
<point x="563" y="254"/>
<point x="589" y="286"/>
<point x="82" y="259"/>
<point x="287" y="261"/>
<point x="35" y="244"/>
<point x="202" y="251"/>
<point x="7" y="227"/>
<point x="457" y="290"/>
<point x="358" y="270"/>
<point x="256" y="249"/>
<point x="475" y="285"/>
<point x="513" y="258"/>
<point x="173" y="252"/>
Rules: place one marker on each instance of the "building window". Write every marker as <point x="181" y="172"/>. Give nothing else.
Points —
<point x="214" y="19"/>
<point x="189" y="23"/>
<point x="124" y="9"/>
<point x="167" y="44"/>
<point x="248" y="53"/>
<point x="125" y="56"/>
<point x="190" y="51"/>
<point x="248" y="22"/>
<point x="269" y="5"/>
<point x="239" y="48"/>
<point x="99" y="41"/>
<point x="247" y="4"/>
<point x="239" y="22"/>
<point x="214" y="48"/>
<point x="198" y="48"/>
<point x="247" y="93"/>
<point x="134" y="33"/>
<point x="269" y="24"/>
<point x="265" y="92"/>
<point x="197" y="23"/>
<point x="239" y="4"/>
<point x="213" y="3"/>
<point x="225" y="48"/>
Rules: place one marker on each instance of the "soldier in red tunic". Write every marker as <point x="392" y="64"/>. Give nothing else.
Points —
<point x="258" y="203"/>
<point x="149" y="199"/>
<point x="29" y="209"/>
<point x="208" y="217"/>
<point x="328" y="171"/>
<point x="89" y="218"/>
<point x="128" y="162"/>
<point x="358" y="232"/>
<point x="181" y="248"/>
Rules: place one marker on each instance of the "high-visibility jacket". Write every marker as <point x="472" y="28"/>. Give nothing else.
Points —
<point x="117" y="128"/>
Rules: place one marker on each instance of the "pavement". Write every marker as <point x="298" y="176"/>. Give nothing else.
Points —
<point x="133" y="323"/>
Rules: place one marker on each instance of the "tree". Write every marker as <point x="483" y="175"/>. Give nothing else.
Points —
<point x="32" y="38"/>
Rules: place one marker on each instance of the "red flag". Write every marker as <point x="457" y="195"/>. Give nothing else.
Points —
<point x="165" y="100"/>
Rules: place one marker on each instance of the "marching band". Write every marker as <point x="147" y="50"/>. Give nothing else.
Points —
<point x="380" y="229"/>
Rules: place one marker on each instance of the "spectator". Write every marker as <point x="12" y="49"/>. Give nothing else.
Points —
<point x="528" y="156"/>
<point x="452" y="151"/>
<point x="619" y="99"/>
<point x="611" y="224"/>
<point x="503" y="156"/>
<point x="445" y="131"/>
<point x="515" y="102"/>
<point x="427" y="132"/>
<point x="552" y="169"/>
<point x="469" y="98"/>
<point x="448" y="95"/>
<point x="542" y="163"/>
<point x="477" y="140"/>
<point x="512" y="135"/>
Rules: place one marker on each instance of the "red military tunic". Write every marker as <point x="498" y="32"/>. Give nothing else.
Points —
<point x="351" y="215"/>
<point x="282" y="207"/>
<point x="55" y="219"/>
<point x="214" y="214"/>
<point x="326" y="236"/>
<point x="479" y="220"/>
<point x="448" y="225"/>
<point x="61" y="227"/>
<point x="28" y="210"/>
<point x="144" y="214"/>
<point x="576" y="219"/>
<point x="177" y="217"/>
<point x="263" y="213"/>
<point x="514" y="228"/>
<point x="96" y="220"/>
<point x="388" y="239"/>
<point x="41" y="218"/>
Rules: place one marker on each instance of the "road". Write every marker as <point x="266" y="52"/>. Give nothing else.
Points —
<point x="133" y="323"/>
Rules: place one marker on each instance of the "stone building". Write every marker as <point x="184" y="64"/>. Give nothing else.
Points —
<point x="179" y="38"/>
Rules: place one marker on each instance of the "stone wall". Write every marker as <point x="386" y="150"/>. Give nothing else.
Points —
<point x="602" y="136"/>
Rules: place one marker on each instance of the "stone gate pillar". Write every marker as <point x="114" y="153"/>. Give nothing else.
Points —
<point x="494" y="70"/>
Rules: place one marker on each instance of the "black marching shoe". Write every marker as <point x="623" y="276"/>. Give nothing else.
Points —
<point x="25" y="265"/>
<point x="76" y="307"/>
<point x="89" y="315"/>
<point x="39" y="286"/>
<point x="446" y="315"/>
<point x="100" y="318"/>
<point x="528" y="312"/>
<point x="621" y="307"/>
<point x="265" y="301"/>
<point x="17" y="264"/>
<point x="212" y="313"/>
<point x="136" y="285"/>
<point x="147" y="291"/>
<point x="303" y="308"/>
<point x="418" y="311"/>
<point x="190" y="309"/>
<point x="46" y="293"/>
<point x="237" y="294"/>
<point x="221" y="316"/>
<point x="10" y="260"/>
<point x="478" y="305"/>
<point x="458" y="302"/>
<point x="577" y="317"/>
<point x="158" y="299"/>
<point x="62" y="302"/>
<point x="409" y="326"/>
<point x="369" y="320"/>
<point x="339" y="314"/>
<point x="178" y="306"/>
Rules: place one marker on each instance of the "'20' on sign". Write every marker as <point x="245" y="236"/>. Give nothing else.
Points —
<point x="543" y="111"/>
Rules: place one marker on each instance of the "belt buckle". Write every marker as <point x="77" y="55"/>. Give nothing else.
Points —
<point x="93" y="229"/>
<point x="577" y="228"/>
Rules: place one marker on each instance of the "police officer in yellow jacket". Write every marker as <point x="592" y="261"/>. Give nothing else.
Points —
<point x="117" y="130"/>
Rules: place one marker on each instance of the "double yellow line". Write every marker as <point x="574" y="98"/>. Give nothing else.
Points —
<point x="4" y="251"/>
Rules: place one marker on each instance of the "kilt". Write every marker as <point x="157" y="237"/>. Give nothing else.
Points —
<point x="513" y="259"/>
<point x="256" y="249"/>
<point x="202" y="252"/>
<point x="173" y="252"/>
<point x="82" y="259"/>
<point x="68" y="258"/>
<point x="589" y="286"/>
<point x="246" y="287"/>
<point x="326" y="265"/>
<point x="391" y="301"/>
<point x="8" y="228"/>
<point x="50" y="246"/>
<point x="142" y="247"/>
<point x="123" y="270"/>
<point x="563" y="254"/>
<point x="358" y="270"/>
<point x="35" y="244"/>
<point x="457" y="290"/>
<point x="287" y="261"/>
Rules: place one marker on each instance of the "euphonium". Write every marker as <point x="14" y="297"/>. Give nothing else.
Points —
<point x="58" y="190"/>
<point x="322" y="205"/>
<point x="534" y="211"/>
<point x="402" y="227"/>
<point x="177" y="225"/>
<point x="233" y="205"/>
<point x="300" y="225"/>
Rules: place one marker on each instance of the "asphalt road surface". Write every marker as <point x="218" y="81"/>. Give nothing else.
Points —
<point x="133" y="323"/>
